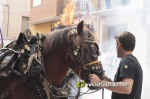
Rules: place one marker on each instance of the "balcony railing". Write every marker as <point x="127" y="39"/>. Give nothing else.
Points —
<point x="97" y="5"/>
<point x="81" y="5"/>
<point x="120" y="3"/>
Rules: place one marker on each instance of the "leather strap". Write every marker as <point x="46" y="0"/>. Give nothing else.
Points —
<point x="91" y="63"/>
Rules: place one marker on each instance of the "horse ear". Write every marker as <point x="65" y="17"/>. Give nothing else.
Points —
<point x="80" y="27"/>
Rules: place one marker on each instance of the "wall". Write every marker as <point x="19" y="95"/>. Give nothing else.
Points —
<point x="13" y="17"/>
<point x="46" y="9"/>
<point x="24" y="23"/>
<point x="43" y="28"/>
<point x="2" y="14"/>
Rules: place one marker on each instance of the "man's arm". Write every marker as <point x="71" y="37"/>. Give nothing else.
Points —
<point x="121" y="89"/>
<point x="118" y="89"/>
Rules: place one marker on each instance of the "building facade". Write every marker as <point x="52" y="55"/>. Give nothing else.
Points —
<point x="42" y="15"/>
<point x="116" y="16"/>
<point x="14" y="16"/>
<point x="47" y="13"/>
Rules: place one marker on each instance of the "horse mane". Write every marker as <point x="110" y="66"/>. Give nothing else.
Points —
<point x="54" y="40"/>
<point x="57" y="38"/>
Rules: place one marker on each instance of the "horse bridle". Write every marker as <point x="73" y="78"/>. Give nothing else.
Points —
<point x="60" y="91"/>
<point x="76" y="54"/>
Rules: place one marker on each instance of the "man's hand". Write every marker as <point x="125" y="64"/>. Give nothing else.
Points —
<point x="94" y="78"/>
<point x="106" y="78"/>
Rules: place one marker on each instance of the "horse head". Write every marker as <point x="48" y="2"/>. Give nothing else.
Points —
<point x="83" y="52"/>
<point x="73" y="48"/>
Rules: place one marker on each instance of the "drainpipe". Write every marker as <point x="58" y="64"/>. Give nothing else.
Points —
<point x="1" y="34"/>
<point x="3" y="16"/>
<point x="7" y="17"/>
<point x="2" y="42"/>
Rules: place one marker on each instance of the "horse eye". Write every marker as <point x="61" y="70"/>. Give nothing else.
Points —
<point x="92" y="45"/>
<point x="88" y="36"/>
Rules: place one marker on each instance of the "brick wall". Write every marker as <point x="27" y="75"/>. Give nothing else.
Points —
<point x="46" y="9"/>
<point x="60" y="6"/>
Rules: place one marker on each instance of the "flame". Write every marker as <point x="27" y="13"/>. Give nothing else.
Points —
<point x="68" y="13"/>
<point x="56" y="23"/>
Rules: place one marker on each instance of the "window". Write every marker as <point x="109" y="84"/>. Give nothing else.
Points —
<point x="108" y="4"/>
<point x="80" y="5"/>
<point x="36" y="3"/>
<point x="125" y="2"/>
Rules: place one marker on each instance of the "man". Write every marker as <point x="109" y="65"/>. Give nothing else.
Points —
<point x="129" y="71"/>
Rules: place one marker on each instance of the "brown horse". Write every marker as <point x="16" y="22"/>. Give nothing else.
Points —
<point x="63" y="49"/>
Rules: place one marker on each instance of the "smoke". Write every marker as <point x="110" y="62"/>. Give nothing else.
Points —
<point x="74" y="89"/>
<point x="133" y="18"/>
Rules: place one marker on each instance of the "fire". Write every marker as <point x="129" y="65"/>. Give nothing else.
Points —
<point x="68" y="13"/>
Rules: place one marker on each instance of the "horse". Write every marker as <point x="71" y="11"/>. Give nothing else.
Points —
<point x="66" y="48"/>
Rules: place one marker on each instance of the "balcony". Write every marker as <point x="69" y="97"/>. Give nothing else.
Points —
<point x="108" y="7"/>
<point x="121" y="3"/>
<point x="97" y="5"/>
<point x="100" y="6"/>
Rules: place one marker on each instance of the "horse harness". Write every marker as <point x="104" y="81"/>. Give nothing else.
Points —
<point x="24" y="59"/>
<point x="76" y="54"/>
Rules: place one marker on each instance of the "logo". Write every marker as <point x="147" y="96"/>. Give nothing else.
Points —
<point x="126" y="66"/>
<point x="80" y="84"/>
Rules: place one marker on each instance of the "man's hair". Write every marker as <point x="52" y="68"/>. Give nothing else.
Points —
<point x="127" y="40"/>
